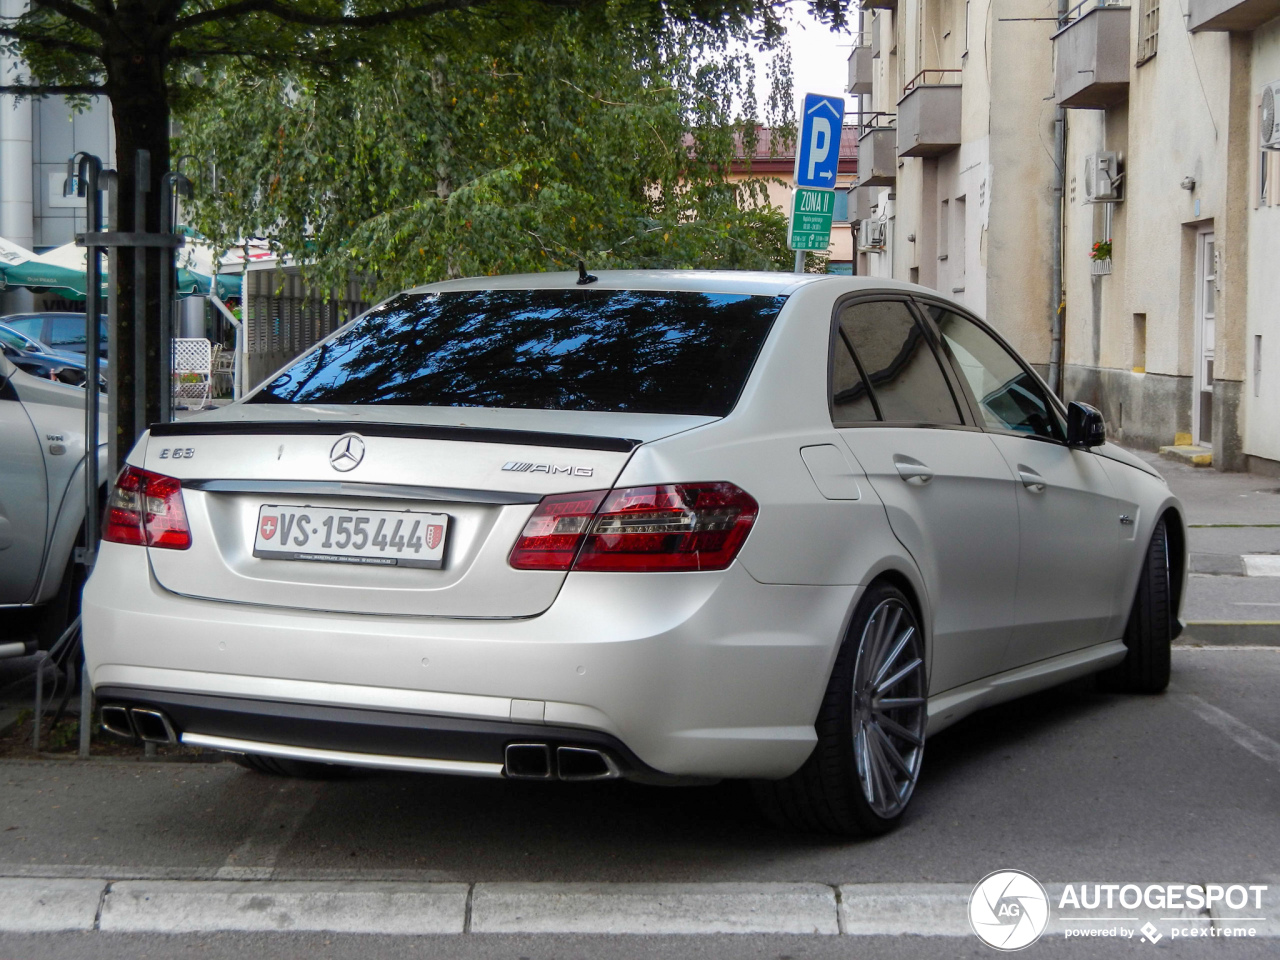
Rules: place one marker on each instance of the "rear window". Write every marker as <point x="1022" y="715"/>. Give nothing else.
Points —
<point x="606" y="350"/>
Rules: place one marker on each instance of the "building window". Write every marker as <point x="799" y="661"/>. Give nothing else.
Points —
<point x="1139" y="343"/>
<point x="1148" y="30"/>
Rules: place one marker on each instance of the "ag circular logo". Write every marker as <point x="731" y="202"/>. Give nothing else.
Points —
<point x="1008" y="910"/>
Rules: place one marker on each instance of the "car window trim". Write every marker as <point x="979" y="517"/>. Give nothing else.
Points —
<point x="970" y="399"/>
<point x="930" y="336"/>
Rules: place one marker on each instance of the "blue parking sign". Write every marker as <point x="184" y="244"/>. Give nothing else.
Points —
<point x="818" y="153"/>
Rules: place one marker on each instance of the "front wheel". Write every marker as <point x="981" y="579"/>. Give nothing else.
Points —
<point x="863" y="771"/>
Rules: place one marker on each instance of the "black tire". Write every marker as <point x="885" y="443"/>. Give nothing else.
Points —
<point x="63" y="607"/>
<point x="1149" y="632"/>
<point x="834" y="791"/>
<point x="298" y="769"/>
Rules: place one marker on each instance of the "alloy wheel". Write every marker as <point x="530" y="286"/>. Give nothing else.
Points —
<point x="889" y="708"/>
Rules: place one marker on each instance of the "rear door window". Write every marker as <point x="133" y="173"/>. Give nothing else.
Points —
<point x="893" y="353"/>
<point x="67" y="332"/>
<point x="607" y="350"/>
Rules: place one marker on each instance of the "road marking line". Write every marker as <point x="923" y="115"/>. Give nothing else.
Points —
<point x="893" y="909"/>
<point x="255" y="858"/>
<point x="1261" y="565"/>
<point x="1257" y="743"/>
<point x="49" y="906"/>
<point x="654" y="908"/>
<point x="187" y="907"/>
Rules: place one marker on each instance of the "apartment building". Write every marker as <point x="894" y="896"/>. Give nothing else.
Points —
<point x="1158" y="166"/>
<point x="1145" y="284"/>
<point x="956" y="185"/>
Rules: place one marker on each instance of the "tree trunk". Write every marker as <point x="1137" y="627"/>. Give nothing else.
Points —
<point x="139" y="96"/>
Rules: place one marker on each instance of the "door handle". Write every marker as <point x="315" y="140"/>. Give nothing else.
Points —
<point x="1030" y="479"/>
<point x="912" y="471"/>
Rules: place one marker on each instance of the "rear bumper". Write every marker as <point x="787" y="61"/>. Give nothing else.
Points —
<point x="451" y="744"/>
<point x="684" y="675"/>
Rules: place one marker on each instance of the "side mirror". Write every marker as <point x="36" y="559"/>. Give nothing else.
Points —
<point x="1084" y="425"/>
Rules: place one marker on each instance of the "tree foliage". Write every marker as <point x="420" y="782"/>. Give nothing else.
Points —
<point x="513" y="151"/>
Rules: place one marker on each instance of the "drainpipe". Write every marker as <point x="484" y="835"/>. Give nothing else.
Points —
<point x="17" y="211"/>
<point x="1056" y="304"/>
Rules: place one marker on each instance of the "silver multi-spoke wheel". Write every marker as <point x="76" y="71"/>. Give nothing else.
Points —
<point x="889" y="711"/>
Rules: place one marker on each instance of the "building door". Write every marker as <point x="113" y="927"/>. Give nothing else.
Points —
<point x="1206" y="306"/>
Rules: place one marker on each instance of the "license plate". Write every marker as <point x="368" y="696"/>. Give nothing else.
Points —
<point x="388" y="538"/>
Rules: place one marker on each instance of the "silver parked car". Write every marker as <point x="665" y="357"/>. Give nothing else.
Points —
<point x="41" y="499"/>
<point x="663" y="525"/>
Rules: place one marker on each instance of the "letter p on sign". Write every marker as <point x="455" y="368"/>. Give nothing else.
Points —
<point x="819" y="144"/>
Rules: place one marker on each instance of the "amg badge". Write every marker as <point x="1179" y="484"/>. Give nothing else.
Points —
<point x="518" y="466"/>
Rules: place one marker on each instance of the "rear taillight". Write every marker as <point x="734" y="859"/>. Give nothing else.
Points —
<point x="552" y="536"/>
<point x="145" y="509"/>
<point x="680" y="526"/>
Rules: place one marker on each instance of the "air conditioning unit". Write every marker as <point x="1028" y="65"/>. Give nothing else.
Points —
<point x="1269" y="124"/>
<point x="871" y="235"/>
<point x="1102" y="177"/>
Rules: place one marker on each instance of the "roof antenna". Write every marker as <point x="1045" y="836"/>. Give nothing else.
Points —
<point x="583" y="277"/>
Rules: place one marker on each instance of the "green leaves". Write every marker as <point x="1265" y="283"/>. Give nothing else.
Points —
<point x="501" y="150"/>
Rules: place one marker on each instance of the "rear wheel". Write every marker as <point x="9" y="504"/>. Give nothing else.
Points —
<point x="1149" y="633"/>
<point x="863" y="771"/>
<point x="301" y="769"/>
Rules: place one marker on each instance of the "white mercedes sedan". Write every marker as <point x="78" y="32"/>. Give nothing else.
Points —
<point x="672" y="526"/>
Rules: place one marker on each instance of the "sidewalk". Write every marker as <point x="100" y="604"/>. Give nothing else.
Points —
<point x="1233" y="595"/>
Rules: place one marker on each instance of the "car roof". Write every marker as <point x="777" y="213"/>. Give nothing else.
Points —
<point x="750" y="282"/>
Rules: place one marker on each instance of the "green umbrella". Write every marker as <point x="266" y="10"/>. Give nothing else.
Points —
<point x="63" y="269"/>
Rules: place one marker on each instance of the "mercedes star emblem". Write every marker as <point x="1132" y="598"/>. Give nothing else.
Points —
<point x="346" y="453"/>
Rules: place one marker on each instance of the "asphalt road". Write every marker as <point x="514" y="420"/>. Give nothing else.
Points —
<point x="1070" y="785"/>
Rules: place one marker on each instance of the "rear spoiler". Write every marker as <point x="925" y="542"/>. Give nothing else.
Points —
<point x="258" y="428"/>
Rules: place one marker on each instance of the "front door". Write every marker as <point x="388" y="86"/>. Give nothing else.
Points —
<point x="948" y="494"/>
<point x="22" y="499"/>
<point x="1206" y="307"/>
<point x="1068" y="518"/>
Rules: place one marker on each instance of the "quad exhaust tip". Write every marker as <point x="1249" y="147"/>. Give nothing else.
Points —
<point x="115" y="719"/>
<point x="534" y="761"/>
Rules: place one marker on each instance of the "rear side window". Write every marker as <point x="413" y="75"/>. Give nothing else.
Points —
<point x="907" y="384"/>
<point x="66" y="332"/>
<point x="606" y="350"/>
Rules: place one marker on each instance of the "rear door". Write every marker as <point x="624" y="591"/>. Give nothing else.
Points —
<point x="1069" y="518"/>
<point x="948" y="493"/>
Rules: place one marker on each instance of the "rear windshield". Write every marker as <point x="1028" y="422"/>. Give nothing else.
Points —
<point x="609" y="350"/>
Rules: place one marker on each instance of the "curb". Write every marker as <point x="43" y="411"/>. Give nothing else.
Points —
<point x="1227" y="633"/>
<point x="35" y="905"/>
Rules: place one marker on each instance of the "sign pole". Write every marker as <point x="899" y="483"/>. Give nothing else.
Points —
<point x="814" y="177"/>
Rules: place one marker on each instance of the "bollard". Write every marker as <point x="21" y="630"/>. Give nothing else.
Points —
<point x="39" y="706"/>
<point x="86" y="711"/>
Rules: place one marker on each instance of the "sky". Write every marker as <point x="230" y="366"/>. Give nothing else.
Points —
<point x="819" y="58"/>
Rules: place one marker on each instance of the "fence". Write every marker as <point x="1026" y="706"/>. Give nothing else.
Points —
<point x="284" y="317"/>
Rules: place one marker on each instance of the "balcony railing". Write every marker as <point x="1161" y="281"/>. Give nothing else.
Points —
<point x="1093" y="55"/>
<point x="860" y="68"/>
<point x="929" y="114"/>
<point x="877" y="150"/>
<point x="939" y="76"/>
